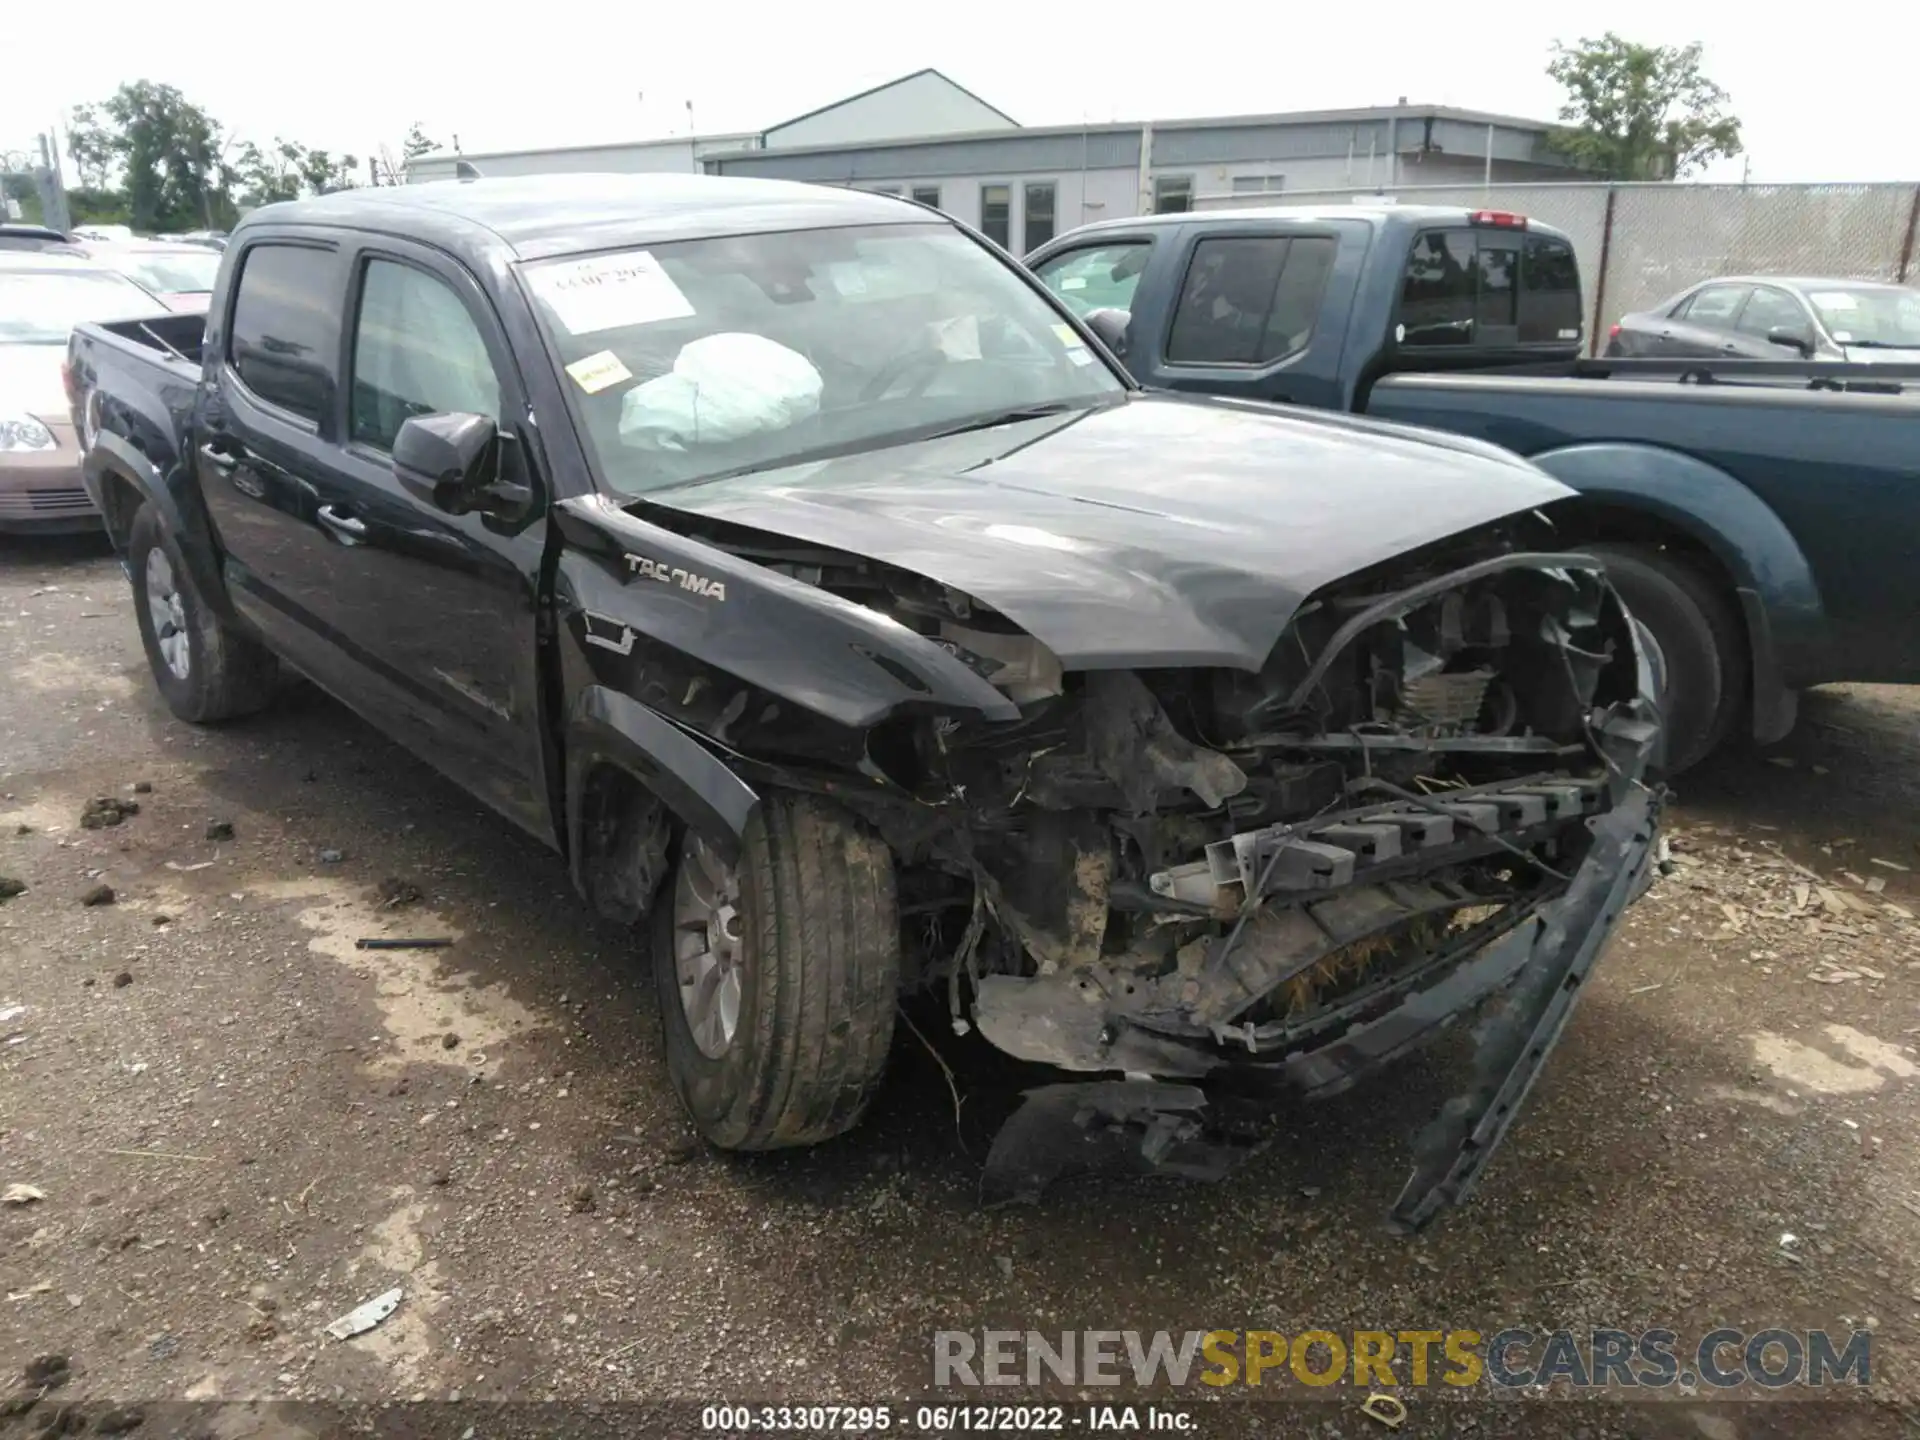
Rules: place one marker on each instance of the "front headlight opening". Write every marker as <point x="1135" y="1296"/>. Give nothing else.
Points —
<point x="23" y="432"/>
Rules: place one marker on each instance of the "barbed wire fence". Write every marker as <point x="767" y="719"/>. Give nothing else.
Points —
<point x="36" y="165"/>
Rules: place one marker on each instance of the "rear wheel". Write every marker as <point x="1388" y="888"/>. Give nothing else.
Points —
<point x="205" y="670"/>
<point x="778" y="977"/>
<point x="1700" y="638"/>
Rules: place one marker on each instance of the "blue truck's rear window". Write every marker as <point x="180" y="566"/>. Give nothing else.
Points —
<point x="1488" y="289"/>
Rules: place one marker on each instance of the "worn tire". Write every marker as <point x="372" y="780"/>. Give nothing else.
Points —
<point x="820" y="968"/>
<point x="227" y="674"/>
<point x="1700" y="636"/>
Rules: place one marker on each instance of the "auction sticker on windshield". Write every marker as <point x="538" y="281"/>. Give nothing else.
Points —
<point x="1077" y="350"/>
<point x="595" y="373"/>
<point x="608" y="292"/>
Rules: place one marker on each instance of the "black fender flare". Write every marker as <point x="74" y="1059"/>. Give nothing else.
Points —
<point x="113" y="457"/>
<point x="696" y="785"/>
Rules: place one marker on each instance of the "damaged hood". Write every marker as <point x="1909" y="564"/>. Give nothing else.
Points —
<point x="1159" y="531"/>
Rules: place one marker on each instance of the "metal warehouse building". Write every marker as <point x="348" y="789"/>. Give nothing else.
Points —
<point x="926" y="137"/>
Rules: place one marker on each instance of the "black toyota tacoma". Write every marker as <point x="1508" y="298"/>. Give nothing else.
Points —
<point x="793" y="563"/>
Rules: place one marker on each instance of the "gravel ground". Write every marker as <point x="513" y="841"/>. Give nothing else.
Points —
<point x="234" y="1126"/>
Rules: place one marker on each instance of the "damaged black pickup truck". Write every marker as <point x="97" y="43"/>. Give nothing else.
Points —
<point x="821" y="588"/>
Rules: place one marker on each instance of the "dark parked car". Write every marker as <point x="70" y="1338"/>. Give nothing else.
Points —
<point x="37" y="238"/>
<point x="1763" y="317"/>
<point x="1764" y="531"/>
<point x="787" y="558"/>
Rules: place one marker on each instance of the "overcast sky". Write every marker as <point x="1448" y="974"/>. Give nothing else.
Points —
<point x="1825" y="92"/>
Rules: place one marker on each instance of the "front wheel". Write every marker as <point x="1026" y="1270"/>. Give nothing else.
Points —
<point x="205" y="670"/>
<point x="778" y="976"/>
<point x="1701" y="643"/>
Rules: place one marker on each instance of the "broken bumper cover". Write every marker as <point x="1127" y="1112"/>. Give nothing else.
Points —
<point x="1551" y="956"/>
<point x="1522" y="970"/>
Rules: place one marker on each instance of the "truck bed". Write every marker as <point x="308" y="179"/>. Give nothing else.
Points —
<point x="173" y="337"/>
<point x="1826" y="449"/>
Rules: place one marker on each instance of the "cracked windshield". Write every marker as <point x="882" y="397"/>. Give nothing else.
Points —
<point x="711" y="357"/>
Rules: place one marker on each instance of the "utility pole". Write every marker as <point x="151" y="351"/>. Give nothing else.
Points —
<point x="53" y="194"/>
<point x="1086" y="128"/>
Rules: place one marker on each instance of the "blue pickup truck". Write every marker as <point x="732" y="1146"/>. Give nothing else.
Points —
<point x="1760" y="518"/>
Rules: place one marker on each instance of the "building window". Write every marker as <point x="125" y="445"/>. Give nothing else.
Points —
<point x="1259" y="184"/>
<point x="927" y="195"/>
<point x="1039" y="215"/>
<point x="996" y="204"/>
<point x="1172" y="194"/>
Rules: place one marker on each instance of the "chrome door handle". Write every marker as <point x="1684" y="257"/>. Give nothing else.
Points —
<point x="222" y="460"/>
<point x="348" y="528"/>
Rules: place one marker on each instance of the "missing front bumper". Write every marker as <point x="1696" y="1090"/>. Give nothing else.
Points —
<point x="1523" y="968"/>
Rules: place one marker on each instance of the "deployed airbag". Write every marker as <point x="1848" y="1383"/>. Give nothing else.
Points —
<point x="722" y="388"/>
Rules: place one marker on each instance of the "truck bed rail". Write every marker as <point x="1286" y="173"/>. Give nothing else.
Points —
<point x="177" y="336"/>
<point x="1854" y="376"/>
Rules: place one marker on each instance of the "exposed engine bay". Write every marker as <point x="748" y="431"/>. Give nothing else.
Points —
<point x="1433" y="795"/>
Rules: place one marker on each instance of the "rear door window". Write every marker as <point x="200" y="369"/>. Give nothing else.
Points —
<point x="1715" y="306"/>
<point x="1250" y="300"/>
<point x="1490" y="287"/>
<point x="284" y="339"/>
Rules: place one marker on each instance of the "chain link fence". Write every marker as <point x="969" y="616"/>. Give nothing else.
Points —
<point x="1639" y="244"/>
<point x="30" y="187"/>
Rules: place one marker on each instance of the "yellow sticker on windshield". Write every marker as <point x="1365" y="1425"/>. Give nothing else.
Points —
<point x="596" y="372"/>
<point x="1069" y="337"/>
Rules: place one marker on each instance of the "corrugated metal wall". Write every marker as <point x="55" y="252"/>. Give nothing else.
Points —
<point x="1233" y="144"/>
<point x="985" y="157"/>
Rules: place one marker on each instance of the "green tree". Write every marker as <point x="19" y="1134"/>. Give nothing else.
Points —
<point x="321" y="172"/>
<point x="91" y="147"/>
<point x="264" y="176"/>
<point x="92" y="205"/>
<point x="1640" y="112"/>
<point x="417" y="143"/>
<point x="167" y="151"/>
<point x="285" y="170"/>
<point x="149" y="158"/>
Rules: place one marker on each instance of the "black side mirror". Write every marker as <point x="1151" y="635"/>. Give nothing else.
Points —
<point x="448" y="460"/>
<point x="1111" y="326"/>
<point x="1791" y="338"/>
